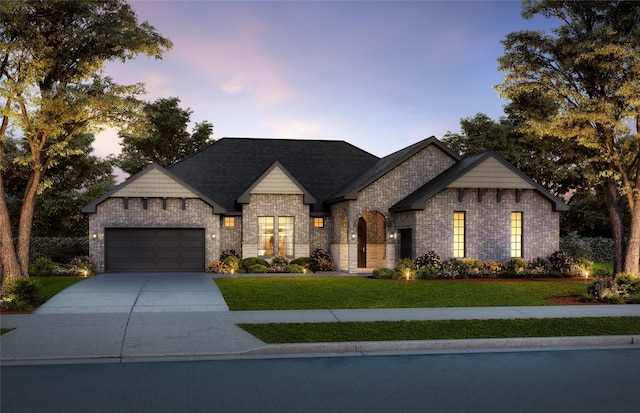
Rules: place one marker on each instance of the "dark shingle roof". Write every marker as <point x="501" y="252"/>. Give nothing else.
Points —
<point x="384" y="165"/>
<point x="227" y="168"/>
<point x="418" y="199"/>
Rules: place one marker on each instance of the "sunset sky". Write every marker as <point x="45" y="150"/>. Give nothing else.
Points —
<point x="380" y="75"/>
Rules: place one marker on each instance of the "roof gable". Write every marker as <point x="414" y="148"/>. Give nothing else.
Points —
<point x="385" y="165"/>
<point x="465" y="173"/>
<point x="153" y="182"/>
<point x="276" y="180"/>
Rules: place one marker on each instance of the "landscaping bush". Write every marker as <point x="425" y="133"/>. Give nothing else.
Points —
<point x="310" y="264"/>
<point x="427" y="273"/>
<point x="247" y="263"/>
<point x="280" y="261"/>
<point x="217" y="267"/>
<point x="61" y="250"/>
<point x="514" y="267"/>
<point x="383" y="273"/>
<point x="21" y="294"/>
<point x="628" y="286"/>
<point x="428" y="259"/>
<point x="78" y="267"/>
<point x="232" y="264"/>
<point x="42" y="267"/>
<point x="560" y="261"/>
<point x="294" y="269"/>
<point x="454" y="268"/>
<point x="324" y="260"/>
<point x="406" y="268"/>
<point x="258" y="269"/>
<point x="600" y="249"/>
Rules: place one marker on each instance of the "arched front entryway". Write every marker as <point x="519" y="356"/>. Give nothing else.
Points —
<point x="371" y="240"/>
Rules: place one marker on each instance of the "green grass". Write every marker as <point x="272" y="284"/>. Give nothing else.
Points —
<point x="51" y="286"/>
<point x="308" y="293"/>
<point x="5" y="330"/>
<point x="442" y="330"/>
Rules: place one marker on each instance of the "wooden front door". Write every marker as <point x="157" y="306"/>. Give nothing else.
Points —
<point x="362" y="243"/>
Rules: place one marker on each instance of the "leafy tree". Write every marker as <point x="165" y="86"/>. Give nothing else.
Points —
<point x="72" y="183"/>
<point x="164" y="138"/>
<point x="590" y="67"/>
<point x="544" y="159"/>
<point x="51" y="58"/>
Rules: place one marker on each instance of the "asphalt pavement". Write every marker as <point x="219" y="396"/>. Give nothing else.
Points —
<point x="168" y="316"/>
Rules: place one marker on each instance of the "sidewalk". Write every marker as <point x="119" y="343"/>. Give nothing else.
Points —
<point x="137" y="336"/>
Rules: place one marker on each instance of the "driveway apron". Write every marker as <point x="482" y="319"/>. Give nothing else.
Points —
<point x="138" y="293"/>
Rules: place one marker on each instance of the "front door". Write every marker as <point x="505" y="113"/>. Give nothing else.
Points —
<point x="406" y="243"/>
<point x="362" y="243"/>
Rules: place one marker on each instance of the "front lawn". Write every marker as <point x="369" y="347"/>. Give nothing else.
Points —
<point x="441" y="330"/>
<point x="50" y="286"/>
<point x="316" y="293"/>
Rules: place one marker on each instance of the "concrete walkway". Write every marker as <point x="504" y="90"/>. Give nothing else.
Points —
<point x="116" y="318"/>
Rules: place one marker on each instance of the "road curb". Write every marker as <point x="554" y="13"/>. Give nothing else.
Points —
<point x="440" y="345"/>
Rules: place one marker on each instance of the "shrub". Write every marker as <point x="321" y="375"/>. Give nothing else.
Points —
<point x="602" y="288"/>
<point x="489" y="269"/>
<point x="427" y="273"/>
<point x="602" y="272"/>
<point x="406" y="268"/>
<point x="232" y="264"/>
<point x="294" y="269"/>
<point x="247" y="263"/>
<point x="42" y="267"/>
<point x="428" y="259"/>
<point x="229" y="253"/>
<point x="326" y="265"/>
<point x="275" y="268"/>
<point x="383" y="273"/>
<point x="628" y="285"/>
<point x="574" y="246"/>
<point x="61" y="250"/>
<point x="560" y="261"/>
<point x="84" y="266"/>
<point x="454" y="268"/>
<point x="257" y="268"/>
<point x="324" y="260"/>
<point x="279" y="261"/>
<point x="600" y="249"/>
<point x="21" y="294"/>
<point x="217" y="267"/>
<point x="514" y="266"/>
<point x="308" y="263"/>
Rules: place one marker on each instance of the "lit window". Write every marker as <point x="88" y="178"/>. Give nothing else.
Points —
<point x="285" y="236"/>
<point x="265" y="237"/>
<point x="229" y="221"/>
<point x="458" y="234"/>
<point x="318" y="222"/>
<point x="516" y="234"/>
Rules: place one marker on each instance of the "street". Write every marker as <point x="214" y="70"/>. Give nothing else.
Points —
<point x="537" y="381"/>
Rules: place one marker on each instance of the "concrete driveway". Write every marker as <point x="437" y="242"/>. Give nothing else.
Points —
<point x="138" y="293"/>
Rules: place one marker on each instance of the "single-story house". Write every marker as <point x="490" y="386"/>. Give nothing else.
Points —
<point x="282" y="197"/>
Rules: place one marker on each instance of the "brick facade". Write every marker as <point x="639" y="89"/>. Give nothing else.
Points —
<point x="487" y="215"/>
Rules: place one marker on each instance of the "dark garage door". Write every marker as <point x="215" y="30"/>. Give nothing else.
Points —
<point x="154" y="249"/>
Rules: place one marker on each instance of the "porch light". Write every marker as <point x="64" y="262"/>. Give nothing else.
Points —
<point x="94" y="235"/>
<point x="213" y="236"/>
<point x="353" y="235"/>
<point x="392" y="235"/>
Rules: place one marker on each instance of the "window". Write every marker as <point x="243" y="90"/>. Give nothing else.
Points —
<point x="229" y="221"/>
<point x="458" y="234"/>
<point x="265" y="237"/>
<point x="318" y="222"/>
<point x="285" y="236"/>
<point x="516" y="235"/>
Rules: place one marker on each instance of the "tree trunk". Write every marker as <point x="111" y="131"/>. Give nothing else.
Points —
<point x="632" y="258"/>
<point x="26" y="221"/>
<point x="8" y="257"/>
<point x="617" y="228"/>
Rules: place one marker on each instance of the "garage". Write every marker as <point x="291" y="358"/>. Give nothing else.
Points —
<point x="154" y="249"/>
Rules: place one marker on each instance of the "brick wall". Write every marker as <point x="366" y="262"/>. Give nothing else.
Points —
<point x="488" y="224"/>
<point x="275" y="206"/>
<point x="112" y="214"/>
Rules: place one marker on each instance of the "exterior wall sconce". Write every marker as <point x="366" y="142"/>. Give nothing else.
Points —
<point x="213" y="236"/>
<point x="94" y="235"/>
<point x="392" y="235"/>
<point x="353" y="235"/>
